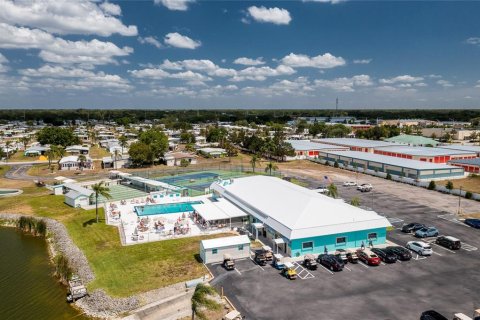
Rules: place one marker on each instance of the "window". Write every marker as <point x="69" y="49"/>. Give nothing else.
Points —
<point x="307" y="245"/>
<point x="214" y="251"/>
<point x="372" y="236"/>
<point x="240" y="247"/>
<point x="341" y="240"/>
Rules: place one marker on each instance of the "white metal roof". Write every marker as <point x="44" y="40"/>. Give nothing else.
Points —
<point x="393" y="161"/>
<point x="475" y="149"/>
<point x="362" y="143"/>
<point x="304" y="145"/>
<point x="77" y="188"/>
<point x="220" y="210"/>
<point x="224" y="242"/>
<point x="294" y="211"/>
<point x="424" y="151"/>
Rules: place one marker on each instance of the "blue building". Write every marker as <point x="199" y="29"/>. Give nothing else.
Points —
<point x="300" y="221"/>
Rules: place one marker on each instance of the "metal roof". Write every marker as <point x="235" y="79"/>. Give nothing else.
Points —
<point x="225" y="242"/>
<point x="393" y="161"/>
<point x="412" y="140"/>
<point x="462" y="147"/>
<point x="424" y="151"/>
<point x="79" y="189"/>
<point x="353" y="142"/>
<point x="472" y="162"/>
<point x="305" y="145"/>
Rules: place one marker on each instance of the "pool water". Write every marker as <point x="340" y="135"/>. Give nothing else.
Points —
<point x="165" y="208"/>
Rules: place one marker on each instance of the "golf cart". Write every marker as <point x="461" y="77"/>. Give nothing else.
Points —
<point x="233" y="315"/>
<point x="309" y="262"/>
<point x="76" y="289"/>
<point x="352" y="256"/>
<point x="228" y="262"/>
<point x="278" y="261"/>
<point x="260" y="258"/>
<point x="289" y="271"/>
<point x="268" y="253"/>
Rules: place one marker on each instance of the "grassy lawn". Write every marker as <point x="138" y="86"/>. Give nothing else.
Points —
<point x="471" y="184"/>
<point x="19" y="156"/>
<point x="98" y="153"/>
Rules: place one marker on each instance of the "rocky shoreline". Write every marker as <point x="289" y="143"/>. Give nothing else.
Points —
<point x="99" y="304"/>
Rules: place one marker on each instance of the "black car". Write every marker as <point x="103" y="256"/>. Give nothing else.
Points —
<point x="402" y="253"/>
<point x="385" y="255"/>
<point x="449" y="242"/>
<point x="432" y="315"/>
<point x="474" y="223"/>
<point x="412" y="227"/>
<point x="331" y="262"/>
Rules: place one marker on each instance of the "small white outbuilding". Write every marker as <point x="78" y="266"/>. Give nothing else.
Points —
<point x="212" y="250"/>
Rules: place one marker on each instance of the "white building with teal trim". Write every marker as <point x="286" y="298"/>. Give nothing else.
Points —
<point x="300" y="220"/>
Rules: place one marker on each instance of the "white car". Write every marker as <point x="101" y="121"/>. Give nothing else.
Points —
<point x="365" y="187"/>
<point x="321" y="190"/>
<point x="420" y="247"/>
<point x="349" y="184"/>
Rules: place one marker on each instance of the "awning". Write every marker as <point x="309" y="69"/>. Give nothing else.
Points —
<point x="257" y="225"/>
<point x="279" y="241"/>
<point x="210" y="212"/>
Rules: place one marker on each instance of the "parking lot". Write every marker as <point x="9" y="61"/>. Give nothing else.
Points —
<point x="448" y="281"/>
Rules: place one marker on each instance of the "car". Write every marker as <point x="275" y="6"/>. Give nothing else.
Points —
<point x="474" y="223"/>
<point x="352" y="256"/>
<point x="228" y="262"/>
<point x="321" y="189"/>
<point x="385" y="255"/>
<point x="365" y="187"/>
<point x="420" y="247"/>
<point x="449" y="242"/>
<point x="342" y="254"/>
<point x="331" y="262"/>
<point x="260" y="258"/>
<point x="426" y="232"/>
<point x="368" y="257"/>
<point x="401" y="253"/>
<point x="432" y="315"/>
<point x="412" y="227"/>
<point x="349" y="184"/>
<point x="309" y="262"/>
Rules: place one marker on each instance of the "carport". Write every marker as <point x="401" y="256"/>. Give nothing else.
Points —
<point x="219" y="213"/>
<point x="279" y="242"/>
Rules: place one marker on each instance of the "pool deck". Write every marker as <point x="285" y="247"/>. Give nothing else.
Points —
<point x="134" y="229"/>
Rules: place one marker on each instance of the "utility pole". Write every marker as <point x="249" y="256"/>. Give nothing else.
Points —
<point x="459" y="202"/>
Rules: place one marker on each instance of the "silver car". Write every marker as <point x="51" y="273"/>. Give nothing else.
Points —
<point x="420" y="247"/>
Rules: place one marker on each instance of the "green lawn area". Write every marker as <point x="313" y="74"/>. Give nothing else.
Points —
<point x="98" y="153"/>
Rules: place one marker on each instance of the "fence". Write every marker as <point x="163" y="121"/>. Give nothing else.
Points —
<point x="410" y="181"/>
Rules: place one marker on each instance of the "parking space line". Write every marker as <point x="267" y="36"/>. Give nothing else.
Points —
<point x="442" y="247"/>
<point x="257" y="264"/>
<point x="363" y="264"/>
<point x="238" y="271"/>
<point x="325" y="268"/>
<point x="382" y="263"/>
<point x="438" y="254"/>
<point x="348" y="268"/>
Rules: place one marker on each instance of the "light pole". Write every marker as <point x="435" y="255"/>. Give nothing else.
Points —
<point x="459" y="201"/>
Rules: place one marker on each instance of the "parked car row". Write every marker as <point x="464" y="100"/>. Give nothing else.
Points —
<point x="422" y="231"/>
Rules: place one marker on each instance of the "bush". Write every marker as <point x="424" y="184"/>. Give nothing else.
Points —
<point x="431" y="185"/>
<point x="449" y="185"/>
<point x="327" y="163"/>
<point x="389" y="176"/>
<point x="468" y="195"/>
<point x="335" y="164"/>
<point x="62" y="268"/>
<point x="32" y="225"/>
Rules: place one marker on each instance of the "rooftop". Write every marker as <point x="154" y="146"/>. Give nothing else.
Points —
<point x="412" y="140"/>
<point x="305" y="145"/>
<point x="362" y="143"/>
<point x="224" y="242"/>
<point x="473" y="162"/>
<point x="424" y="151"/>
<point x="462" y="147"/>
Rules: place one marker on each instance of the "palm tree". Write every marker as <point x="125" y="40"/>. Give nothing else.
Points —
<point x="100" y="190"/>
<point x="332" y="191"/>
<point x="81" y="161"/>
<point x="8" y="144"/>
<point x="271" y="167"/>
<point x="25" y="140"/>
<point x="115" y="155"/>
<point x="123" y="142"/>
<point x="254" y="161"/>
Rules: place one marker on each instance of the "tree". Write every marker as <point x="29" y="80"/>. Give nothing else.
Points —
<point x="57" y="136"/>
<point x="389" y="176"/>
<point x="99" y="189"/>
<point x="332" y="191"/>
<point x="81" y="161"/>
<point x="431" y="185"/>
<point x="8" y="149"/>
<point x="156" y="140"/>
<point x="355" y="201"/>
<point x="190" y="147"/>
<point x="123" y="142"/>
<point x="271" y="167"/>
<point x="231" y="150"/>
<point x="187" y="137"/>
<point x="184" y="163"/>
<point x="335" y="164"/>
<point x="25" y="140"/>
<point x="140" y="154"/>
<point x="204" y="299"/>
<point x="254" y="161"/>
<point x="449" y="185"/>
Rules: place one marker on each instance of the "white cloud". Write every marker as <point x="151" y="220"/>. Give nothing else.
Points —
<point x="3" y="60"/>
<point x="177" y="40"/>
<point x="478" y="84"/>
<point x="150" y="73"/>
<point x="110" y="8"/>
<point x="178" y="5"/>
<point x="269" y="15"/>
<point x="249" y="62"/>
<point x="399" y="79"/>
<point x="203" y="65"/>
<point x="150" y="40"/>
<point x="325" y="1"/>
<point x="57" y="50"/>
<point x="192" y="78"/>
<point x="362" y="61"/>
<point x="345" y="84"/>
<point x="473" y="40"/>
<point x="261" y="73"/>
<point x="444" y="83"/>
<point x="324" y="61"/>
<point x="66" y="17"/>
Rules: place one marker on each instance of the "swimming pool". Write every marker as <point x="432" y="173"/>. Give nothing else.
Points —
<point x="165" y="208"/>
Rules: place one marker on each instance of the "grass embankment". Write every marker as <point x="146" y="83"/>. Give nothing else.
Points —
<point x="471" y="183"/>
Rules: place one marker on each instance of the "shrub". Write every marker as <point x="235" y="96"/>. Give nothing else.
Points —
<point x="62" y="268"/>
<point x="431" y="185"/>
<point x="389" y="176"/>
<point x="449" y="185"/>
<point x="335" y="164"/>
<point x="468" y="195"/>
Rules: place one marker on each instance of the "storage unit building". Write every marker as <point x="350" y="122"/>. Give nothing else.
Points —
<point x="435" y="155"/>
<point x="356" y="144"/>
<point x="307" y="148"/>
<point x="469" y="148"/>
<point x="469" y="165"/>
<point x="414" y="169"/>
<point x="300" y="221"/>
<point x="212" y="250"/>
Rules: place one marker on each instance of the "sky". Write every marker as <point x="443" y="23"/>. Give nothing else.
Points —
<point x="239" y="54"/>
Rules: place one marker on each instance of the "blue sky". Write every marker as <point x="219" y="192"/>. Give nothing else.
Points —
<point x="239" y="54"/>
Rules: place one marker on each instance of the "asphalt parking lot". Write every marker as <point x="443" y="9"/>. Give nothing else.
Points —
<point x="448" y="281"/>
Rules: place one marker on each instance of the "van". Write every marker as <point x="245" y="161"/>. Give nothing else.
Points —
<point x="449" y="242"/>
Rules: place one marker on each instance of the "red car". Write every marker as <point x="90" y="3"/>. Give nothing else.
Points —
<point x="368" y="257"/>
